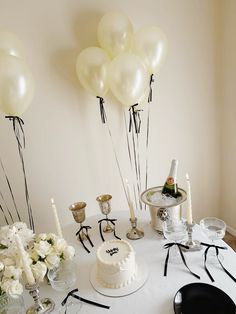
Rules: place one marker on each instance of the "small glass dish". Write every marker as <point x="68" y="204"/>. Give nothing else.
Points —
<point x="63" y="277"/>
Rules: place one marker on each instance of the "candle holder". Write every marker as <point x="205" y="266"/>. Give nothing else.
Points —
<point x="40" y="306"/>
<point x="105" y="206"/>
<point x="194" y="245"/>
<point x="78" y="212"/>
<point x="134" y="233"/>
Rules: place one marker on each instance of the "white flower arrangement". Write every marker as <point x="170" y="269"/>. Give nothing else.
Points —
<point x="45" y="251"/>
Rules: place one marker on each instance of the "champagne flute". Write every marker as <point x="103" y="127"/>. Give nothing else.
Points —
<point x="104" y="204"/>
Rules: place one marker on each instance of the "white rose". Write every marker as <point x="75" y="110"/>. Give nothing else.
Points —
<point x="8" y="261"/>
<point x="51" y="237"/>
<point x="42" y="236"/>
<point x="43" y="248"/>
<point x="12" y="272"/>
<point x="1" y="266"/>
<point x="34" y="255"/>
<point x="52" y="261"/>
<point x="39" y="270"/>
<point x="60" y="245"/>
<point x="12" y="287"/>
<point x="69" y="252"/>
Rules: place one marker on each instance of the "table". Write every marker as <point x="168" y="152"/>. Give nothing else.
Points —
<point x="156" y="296"/>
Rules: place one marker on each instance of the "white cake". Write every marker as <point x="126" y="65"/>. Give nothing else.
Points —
<point x="116" y="266"/>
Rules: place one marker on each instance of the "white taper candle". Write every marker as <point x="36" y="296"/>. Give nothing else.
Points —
<point x="130" y="203"/>
<point x="189" y="203"/>
<point x="25" y="260"/>
<point x="56" y="219"/>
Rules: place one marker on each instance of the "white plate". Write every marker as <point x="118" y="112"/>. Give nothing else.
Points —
<point x="136" y="284"/>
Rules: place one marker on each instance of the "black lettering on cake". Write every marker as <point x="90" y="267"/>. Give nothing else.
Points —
<point x="112" y="251"/>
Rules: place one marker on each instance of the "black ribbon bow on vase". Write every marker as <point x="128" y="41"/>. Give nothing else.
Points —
<point x="72" y="294"/>
<point x="112" y="221"/>
<point x="217" y="248"/>
<point x="168" y="246"/>
<point x="80" y="231"/>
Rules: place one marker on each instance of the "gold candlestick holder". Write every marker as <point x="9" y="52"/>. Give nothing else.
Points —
<point x="41" y="306"/>
<point x="134" y="233"/>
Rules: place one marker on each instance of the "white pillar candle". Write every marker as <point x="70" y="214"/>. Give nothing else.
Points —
<point x="24" y="256"/>
<point x="189" y="203"/>
<point x="130" y="203"/>
<point x="56" y="219"/>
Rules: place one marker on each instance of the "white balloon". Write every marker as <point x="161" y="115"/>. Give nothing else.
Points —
<point x="16" y="85"/>
<point x="150" y="44"/>
<point x="92" y="70"/>
<point x="128" y="78"/>
<point x="115" y="33"/>
<point x="10" y="44"/>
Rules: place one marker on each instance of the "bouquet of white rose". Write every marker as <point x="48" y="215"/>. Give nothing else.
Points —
<point x="45" y="252"/>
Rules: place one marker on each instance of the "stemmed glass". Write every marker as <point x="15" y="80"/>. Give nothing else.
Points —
<point x="78" y="212"/>
<point x="215" y="229"/>
<point x="175" y="230"/>
<point x="63" y="278"/>
<point x="105" y="206"/>
<point x="12" y="304"/>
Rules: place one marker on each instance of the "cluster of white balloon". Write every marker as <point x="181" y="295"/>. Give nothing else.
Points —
<point x="16" y="81"/>
<point x="16" y="93"/>
<point x="125" y="63"/>
<point x="125" y="60"/>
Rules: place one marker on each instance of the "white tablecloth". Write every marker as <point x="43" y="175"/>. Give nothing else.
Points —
<point x="156" y="296"/>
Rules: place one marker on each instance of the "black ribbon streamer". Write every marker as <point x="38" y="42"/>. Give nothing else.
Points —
<point x="217" y="248"/>
<point x="134" y="117"/>
<point x="150" y="88"/>
<point x="20" y="137"/>
<point x="87" y="236"/>
<point x="72" y="294"/>
<point x="12" y="195"/>
<point x="112" y="221"/>
<point x="179" y="245"/>
<point x="102" y="110"/>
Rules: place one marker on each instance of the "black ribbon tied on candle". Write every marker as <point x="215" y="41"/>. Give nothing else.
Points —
<point x="20" y="137"/>
<point x="134" y="118"/>
<point x="217" y="248"/>
<point x="150" y="88"/>
<point x="78" y="233"/>
<point x="179" y="245"/>
<point x="102" y="109"/>
<point x="72" y="294"/>
<point x="112" y="221"/>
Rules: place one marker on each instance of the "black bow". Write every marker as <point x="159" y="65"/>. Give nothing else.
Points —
<point x="217" y="248"/>
<point x="150" y="88"/>
<point x="87" y="236"/>
<point x="111" y="221"/>
<point x="102" y="109"/>
<point x="71" y="294"/>
<point x="179" y="245"/>
<point x="134" y="117"/>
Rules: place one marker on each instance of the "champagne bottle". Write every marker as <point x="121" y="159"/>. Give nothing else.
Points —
<point x="170" y="187"/>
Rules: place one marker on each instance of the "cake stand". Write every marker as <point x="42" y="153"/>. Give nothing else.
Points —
<point x="162" y="209"/>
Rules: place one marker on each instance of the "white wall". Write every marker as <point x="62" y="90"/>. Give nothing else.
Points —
<point x="228" y="87"/>
<point x="69" y="154"/>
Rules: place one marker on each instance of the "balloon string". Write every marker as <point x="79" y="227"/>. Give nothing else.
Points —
<point x="148" y="130"/>
<point x="102" y="110"/>
<point x="4" y="214"/>
<point x="19" y="132"/>
<point x="115" y="153"/>
<point x="12" y="195"/>
<point x="130" y="160"/>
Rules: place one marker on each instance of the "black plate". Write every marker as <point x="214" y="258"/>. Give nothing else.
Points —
<point x="201" y="298"/>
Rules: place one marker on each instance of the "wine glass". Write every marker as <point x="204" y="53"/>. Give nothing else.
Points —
<point x="63" y="278"/>
<point x="215" y="229"/>
<point x="78" y="212"/>
<point x="12" y="304"/>
<point x="175" y="230"/>
<point x="105" y="206"/>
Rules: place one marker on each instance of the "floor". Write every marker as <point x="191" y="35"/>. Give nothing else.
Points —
<point x="230" y="240"/>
